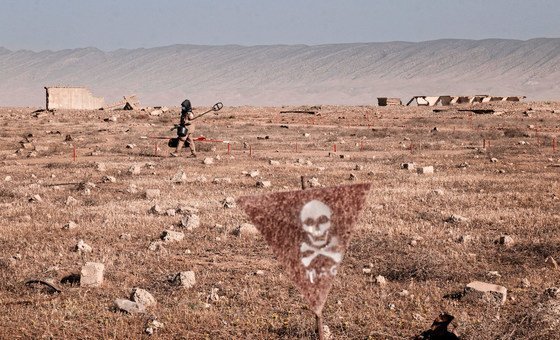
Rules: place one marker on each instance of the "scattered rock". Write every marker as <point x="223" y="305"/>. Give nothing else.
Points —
<point x="135" y="169"/>
<point x="70" y="225"/>
<point x="439" y="192"/>
<point x="156" y="246"/>
<point x="190" y="222"/>
<point x="83" y="247"/>
<point x="272" y="162"/>
<point x="408" y="166"/>
<point x="456" y="219"/>
<point x="170" y="212"/>
<point x="71" y="201"/>
<point x="142" y="297"/>
<point x="129" y="307"/>
<point x="352" y="177"/>
<point x="245" y="229"/>
<point x="35" y="199"/>
<point x="426" y="170"/>
<point x="130" y="146"/>
<point x="125" y="237"/>
<point x="465" y="239"/>
<point x="553" y="292"/>
<point x="366" y="270"/>
<point x="264" y="184"/>
<point x="551" y="262"/>
<point x="172" y="236"/>
<point x="359" y="167"/>
<point x="180" y="177"/>
<point x="152" y="194"/>
<point x="229" y="202"/>
<point x="487" y="287"/>
<point x="184" y="279"/>
<point x="381" y="280"/>
<point x="156" y="210"/>
<point x="132" y="189"/>
<point x="253" y="173"/>
<point x="221" y="180"/>
<point x="109" y="179"/>
<point x="463" y="165"/>
<point x="153" y="326"/>
<point x="494" y="160"/>
<point x="8" y="178"/>
<point x="525" y="283"/>
<point x="208" y="160"/>
<point x="92" y="274"/>
<point x="313" y="182"/>
<point x="506" y="240"/>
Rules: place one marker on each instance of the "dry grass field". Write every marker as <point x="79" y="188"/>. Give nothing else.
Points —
<point x="404" y="233"/>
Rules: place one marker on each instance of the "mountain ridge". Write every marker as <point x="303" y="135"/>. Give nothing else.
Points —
<point x="354" y="73"/>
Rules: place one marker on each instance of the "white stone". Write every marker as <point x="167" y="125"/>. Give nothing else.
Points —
<point x="100" y="167"/>
<point x="92" y="274"/>
<point x="70" y="225"/>
<point x="408" y="166"/>
<point x="272" y="162"/>
<point x="245" y="229"/>
<point x="506" y="240"/>
<point x="128" y="306"/>
<point x="221" y="180"/>
<point x="8" y="179"/>
<point x="172" y="236"/>
<point x="135" y="169"/>
<point x="229" y="202"/>
<point x="253" y="173"/>
<point x="488" y="287"/>
<point x="109" y="179"/>
<point x="152" y="194"/>
<point x="143" y="297"/>
<point x="264" y="184"/>
<point x="83" y="247"/>
<point x="71" y="201"/>
<point x="180" y="177"/>
<point x="426" y="170"/>
<point x="456" y="219"/>
<point x="184" y="279"/>
<point x="381" y="280"/>
<point x="208" y="160"/>
<point x="156" y="210"/>
<point x="190" y="222"/>
<point x="313" y="182"/>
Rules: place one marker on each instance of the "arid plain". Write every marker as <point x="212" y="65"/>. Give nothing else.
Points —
<point x="428" y="235"/>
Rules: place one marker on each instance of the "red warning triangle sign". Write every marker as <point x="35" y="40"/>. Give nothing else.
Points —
<point x="308" y="231"/>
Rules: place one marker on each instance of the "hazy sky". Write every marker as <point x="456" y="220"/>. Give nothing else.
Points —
<point x="113" y="24"/>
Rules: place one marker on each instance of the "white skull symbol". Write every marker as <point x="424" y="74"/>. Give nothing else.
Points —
<point x="316" y="221"/>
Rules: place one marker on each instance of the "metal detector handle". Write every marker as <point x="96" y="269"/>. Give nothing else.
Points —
<point x="217" y="107"/>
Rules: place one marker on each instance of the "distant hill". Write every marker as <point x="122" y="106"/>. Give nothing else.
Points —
<point x="289" y="74"/>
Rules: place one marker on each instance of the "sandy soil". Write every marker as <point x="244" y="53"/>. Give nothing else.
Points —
<point x="403" y="233"/>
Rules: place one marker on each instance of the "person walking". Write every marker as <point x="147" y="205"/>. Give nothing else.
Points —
<point x="185" y="129"/>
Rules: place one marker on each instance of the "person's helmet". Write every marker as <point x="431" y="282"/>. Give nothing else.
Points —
<point x="186" y="106"/>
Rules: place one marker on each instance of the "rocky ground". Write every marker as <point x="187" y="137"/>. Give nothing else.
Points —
<point x="123" y="226"/>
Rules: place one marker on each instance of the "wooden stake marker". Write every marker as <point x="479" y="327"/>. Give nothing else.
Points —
<point x="308" y="231"/>
<point x="74" y="152"/>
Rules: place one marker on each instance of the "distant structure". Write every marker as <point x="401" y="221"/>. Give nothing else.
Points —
<point x="128" y="103"/>
<point x="384" y="101"/>
<point x="71" y="98"/>
<point x="454" y="100"/>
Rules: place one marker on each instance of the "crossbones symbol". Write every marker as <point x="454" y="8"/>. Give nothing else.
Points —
<point x="316" y="222"/>
<point x="324" y="251"/>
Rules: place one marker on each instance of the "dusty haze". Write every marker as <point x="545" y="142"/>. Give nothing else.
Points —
<point x="289" y="74"/>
